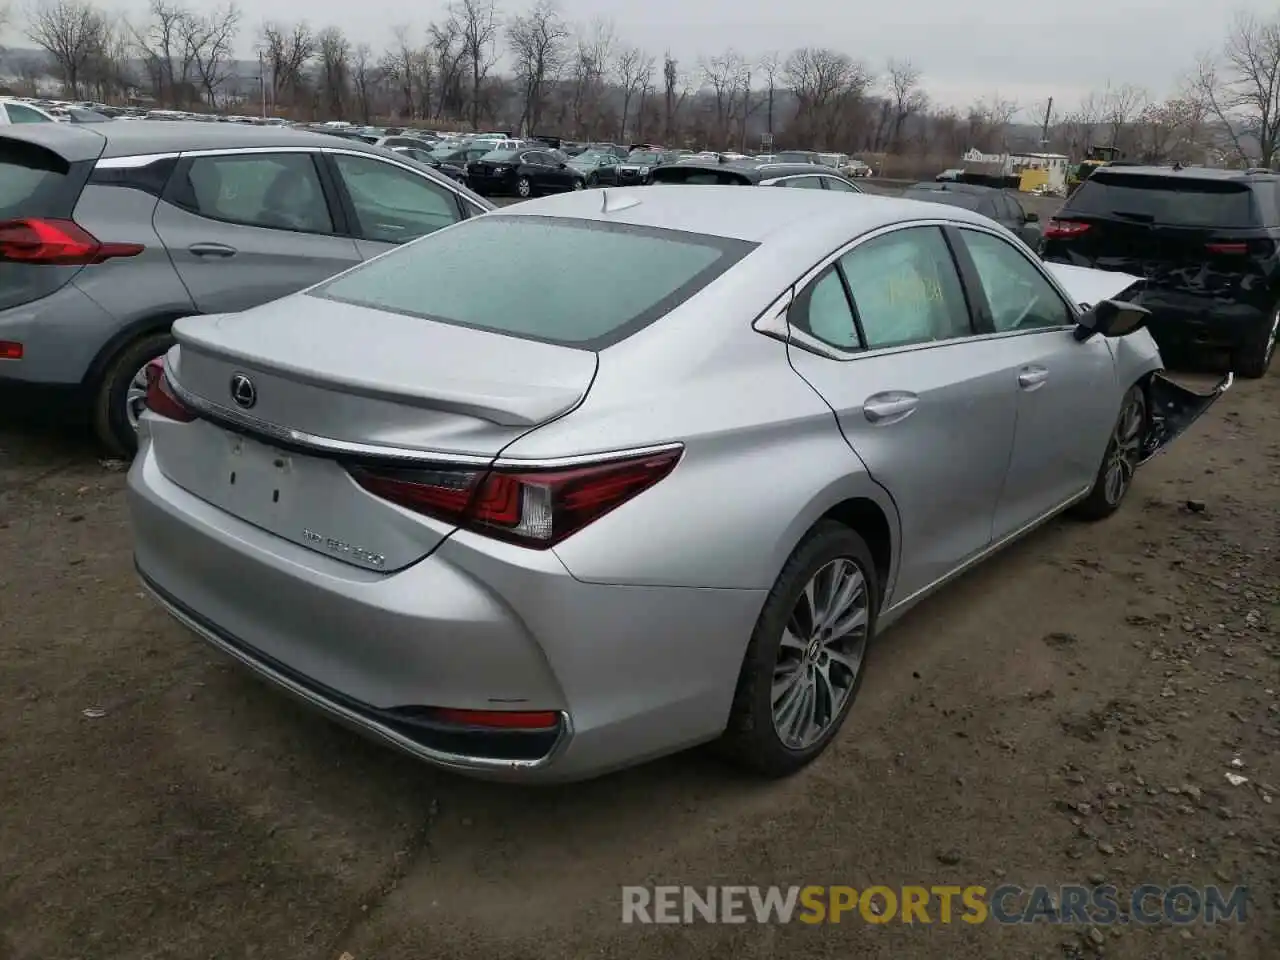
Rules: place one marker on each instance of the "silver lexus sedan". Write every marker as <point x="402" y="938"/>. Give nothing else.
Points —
<point x="606" y="475"/>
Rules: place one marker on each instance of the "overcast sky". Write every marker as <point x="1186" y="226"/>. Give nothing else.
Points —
<point x="1022" y="50"/>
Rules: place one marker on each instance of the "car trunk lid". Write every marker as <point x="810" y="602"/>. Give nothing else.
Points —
<point x="292" y="393"/>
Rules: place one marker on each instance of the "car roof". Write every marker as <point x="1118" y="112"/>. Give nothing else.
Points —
<point x="1184" y="173"/>
<point x="173" y="136"/>
<point x="755" y="171"/>
<point x="799" y="218"/>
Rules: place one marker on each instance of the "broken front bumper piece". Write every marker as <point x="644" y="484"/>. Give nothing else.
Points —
<point x="1173" y="409"/>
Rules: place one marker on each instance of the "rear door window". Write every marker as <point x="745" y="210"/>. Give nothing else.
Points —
<point x="280" y="191"/>
<point x="840" y="186"/>
<point x="20" y="114"/>
<point x="802" y="183"/>
<point x="1167" y="201"/>
<point x="507" y="274"/>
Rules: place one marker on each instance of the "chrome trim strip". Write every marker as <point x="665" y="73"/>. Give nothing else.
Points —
<point x="380" y="451"/>
<point x="350" y="717"/>
<point x="131" y="163"/>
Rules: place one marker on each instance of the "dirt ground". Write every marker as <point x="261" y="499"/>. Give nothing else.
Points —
<point x="1065" y="714"/>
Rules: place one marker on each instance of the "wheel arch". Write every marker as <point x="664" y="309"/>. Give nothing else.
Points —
<point x="130" y="333"/>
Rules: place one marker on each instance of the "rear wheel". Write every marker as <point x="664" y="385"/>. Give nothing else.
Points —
<point x="1252" y="358"/>
<point x="1120" y="461"/>
<point x="524" y="188"/>
<point x="579" y="184"/>
<point x="120" y="395"/>
<point x="805" y="662"/>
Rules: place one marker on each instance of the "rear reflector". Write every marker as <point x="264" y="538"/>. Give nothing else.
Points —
<point x="532" y="508"/>
<point x="57" y="243"/>
<point x="10" y="350"/>
<point x="1236" y="248"/>
<point x="160" y="396"/>
<point x="500" y="719"/>
<point x="1065" y="228"/>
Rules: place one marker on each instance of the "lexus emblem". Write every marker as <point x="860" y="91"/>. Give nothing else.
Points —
<point x="243" y="392"/>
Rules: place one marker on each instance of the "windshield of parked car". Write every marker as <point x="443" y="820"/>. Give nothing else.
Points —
<point x="644" y="156"/>
<point x="1169" y="201"/>
<point x="592" y="159"/>
<point x="967" y="201"/>
<point x="508" y="275"/>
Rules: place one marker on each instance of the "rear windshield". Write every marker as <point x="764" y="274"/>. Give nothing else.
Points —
<point x="968" y="201"/>
<point x="1165" y="200"/>
<point x="644" y="156"/>
<point x="32" y="182"/>
<point x="499" y="155"/>
<point x="699" y="176"/>
<point x="577" y="283"/>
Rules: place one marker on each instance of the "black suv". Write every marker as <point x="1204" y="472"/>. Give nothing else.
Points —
<point x="1207" y="243"/>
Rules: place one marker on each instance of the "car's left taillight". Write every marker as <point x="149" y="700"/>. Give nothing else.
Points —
<point x="533" y="508"/>
<point x="160" y="396"/>
<point x="55" y="242"/>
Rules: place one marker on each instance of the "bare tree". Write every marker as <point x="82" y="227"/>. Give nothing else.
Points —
<point x="109" y="72"/>
<point x="160" y="44"/>
<point x="538" y="42"/>
<point x="70" y="31"/>
<point x="335" y="53"/>
<point x="723" y="73"/>
<point x="770" y="66"/>
<point x="828" y="87"/>
<point x="478" y="26"/>
<point x="989" y="119"/>
<point x="287" y="50"/>
<point x="362" y="80"/>
<point x="449" y="51"/>
<point x="1241" y="87"/>
<point x="591" y="63"/>
<point x="634" y="72"/>
<point x="209" y="42"/>
<point x="673" y="96"/>
<point x="906" y="98"/>
<point x="1170" y="130"/>
<point x="1122" y="106"/>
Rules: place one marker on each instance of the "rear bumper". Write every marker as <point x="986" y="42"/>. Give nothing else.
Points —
<point x="1184" y="321"/>
<point x="60" y="335"/>
<point x="634" y="672"/>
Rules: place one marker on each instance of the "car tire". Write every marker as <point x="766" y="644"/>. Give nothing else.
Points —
<point x="524" y="188"/>
<point x="1253" y="358"/>
<point x="1124" y="449"/>
<point x="579" y="185"/>
<point x="751" y="739"/>
<point x="115" y="431"/>
<point x="593" y="181"/>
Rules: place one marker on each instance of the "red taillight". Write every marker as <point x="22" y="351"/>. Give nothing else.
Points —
<point x="499" y="719"/>
<point x="10" y="350"/>
<point x="533" y="508"/>
<point x="1233" y="248"/>
<point x="57" y="243"/>
<point x="1065" y="228"/>
<point x="160" y="396"/>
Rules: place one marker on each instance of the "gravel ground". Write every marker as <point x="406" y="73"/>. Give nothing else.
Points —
<point x="1065" y="714"/>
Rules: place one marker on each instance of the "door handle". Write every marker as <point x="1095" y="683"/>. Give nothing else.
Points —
<point x="211" y="250"/>
<point x="883" y="409"/>
<point x="1029" y="378"/>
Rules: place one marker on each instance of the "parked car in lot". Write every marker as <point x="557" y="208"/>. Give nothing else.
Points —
<point x="523" y="173"/>
<point x="804" y="176"/>
<point x="14" y="111"/>
<point x="539" y="523"/>
<point x="600" y="169"/>
<point x="639" y="164"/>
<point x="1206" y="241"/>
<point x="999" y="205"/>
<point x="109" y="232"/>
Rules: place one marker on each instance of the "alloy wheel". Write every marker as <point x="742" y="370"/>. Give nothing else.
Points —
<point x="135" y="397"/>
<point x="1126" y="445"/>
<point x="821" y="653"/>
<point x="524" y="188"/>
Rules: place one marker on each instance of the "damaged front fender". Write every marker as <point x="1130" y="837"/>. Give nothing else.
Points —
<point x="1174" y="408"/>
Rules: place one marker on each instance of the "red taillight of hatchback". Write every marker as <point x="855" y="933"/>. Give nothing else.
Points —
<point x="57" y="243"/>
<point x="1064" y="228"/>
<point x="160" y="396"/>
<point x="532" y="508"/>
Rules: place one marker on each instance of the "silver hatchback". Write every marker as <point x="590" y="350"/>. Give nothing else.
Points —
<point x="603" y="476"/>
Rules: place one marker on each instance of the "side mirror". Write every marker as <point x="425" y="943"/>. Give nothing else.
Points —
<point x="1032" y="216"/>
<point x="1111" y="318"/>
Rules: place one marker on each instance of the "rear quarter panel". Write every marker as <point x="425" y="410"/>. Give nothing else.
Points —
<point x="763" y="461"/>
